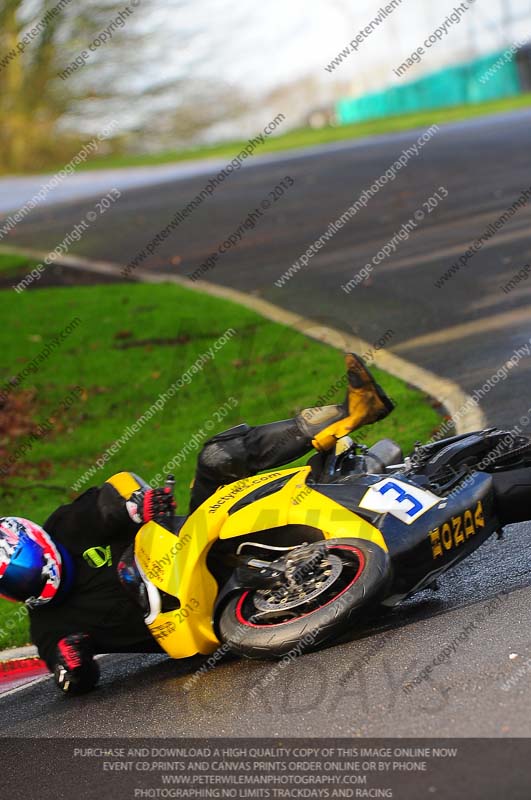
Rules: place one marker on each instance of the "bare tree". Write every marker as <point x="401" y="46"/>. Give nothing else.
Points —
<point x="39" y="39"/>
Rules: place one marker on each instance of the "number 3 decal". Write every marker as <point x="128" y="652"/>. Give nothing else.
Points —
<point x="403" y="500"/>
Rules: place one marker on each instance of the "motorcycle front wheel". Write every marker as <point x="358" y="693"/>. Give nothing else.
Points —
<point x="294" y="617"/>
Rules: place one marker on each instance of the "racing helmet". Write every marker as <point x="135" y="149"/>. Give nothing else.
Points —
<point x="31" y="564"/>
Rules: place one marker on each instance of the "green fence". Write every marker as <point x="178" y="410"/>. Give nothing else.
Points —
<point x="459" y="85"/>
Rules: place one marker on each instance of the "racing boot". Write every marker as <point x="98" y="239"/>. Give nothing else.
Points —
<point x="243" y="451"/>
<point x="365" y="403"/>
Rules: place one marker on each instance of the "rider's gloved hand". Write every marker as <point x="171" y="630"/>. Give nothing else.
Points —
<point x="147" y="504"/>
<point x="75" y="671"/>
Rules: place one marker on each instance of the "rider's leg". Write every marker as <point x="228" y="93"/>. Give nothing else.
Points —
<point x="244" y="451"/>
<point x="365" y="403"/>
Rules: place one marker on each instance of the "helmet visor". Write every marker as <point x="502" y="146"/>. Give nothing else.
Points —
<point x="30" y="564"/>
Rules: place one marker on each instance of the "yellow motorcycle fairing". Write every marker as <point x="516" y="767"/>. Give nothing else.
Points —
<point x="177" y="565"/>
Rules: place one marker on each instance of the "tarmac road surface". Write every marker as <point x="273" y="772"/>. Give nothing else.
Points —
<point x="467" y="330"/>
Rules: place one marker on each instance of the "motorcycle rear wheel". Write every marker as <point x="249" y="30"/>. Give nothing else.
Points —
<point x="365" y="572"/>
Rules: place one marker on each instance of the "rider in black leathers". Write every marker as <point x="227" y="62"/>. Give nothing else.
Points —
<point x="78" y="605"/>
<point x="89" y="612"/>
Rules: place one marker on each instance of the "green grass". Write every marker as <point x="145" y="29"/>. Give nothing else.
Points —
<point x="270" y="370"/>
<point x="14" y="264"/>
<point x="307" y="137"/>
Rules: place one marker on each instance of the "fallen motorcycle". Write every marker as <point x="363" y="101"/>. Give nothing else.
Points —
<point x="285" y="557"/>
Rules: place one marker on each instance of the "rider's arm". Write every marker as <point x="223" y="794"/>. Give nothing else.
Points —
<point x="73" y="665"/>
<point x="126" y="501"/>
<point x="98" y="515"/>
<point x="69" y="656"/>
<point x="114" y="510"/>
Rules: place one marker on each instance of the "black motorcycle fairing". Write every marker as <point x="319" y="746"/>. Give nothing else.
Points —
<point x="260" y="492"/>
<point x="453" y="454"/>
<point x="349" y="494"/>
<point x="424" y="452"/>
<point x="411" y="547"/>
<point x="512" y="495"/>
<point x="492" y="446"/>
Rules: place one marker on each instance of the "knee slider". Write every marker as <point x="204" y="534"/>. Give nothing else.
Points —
<point x="224" y="455"/>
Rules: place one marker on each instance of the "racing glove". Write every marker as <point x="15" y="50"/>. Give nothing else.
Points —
<point x="147" y="504"/>
<point x="75" y="671"/>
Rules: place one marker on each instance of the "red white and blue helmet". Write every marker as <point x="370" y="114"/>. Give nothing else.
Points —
<point x="31" y="564"/>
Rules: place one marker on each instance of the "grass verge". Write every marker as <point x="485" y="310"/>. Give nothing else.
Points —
<point x="12" y="264"/>
<point x="129" y="344"/>
<point x="308" y="137"/>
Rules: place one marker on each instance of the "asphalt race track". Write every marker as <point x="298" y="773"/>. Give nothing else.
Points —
<point x="466" y="331"/>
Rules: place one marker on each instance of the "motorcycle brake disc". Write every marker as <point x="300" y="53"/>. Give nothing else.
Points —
<point x="285" y="596"/>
